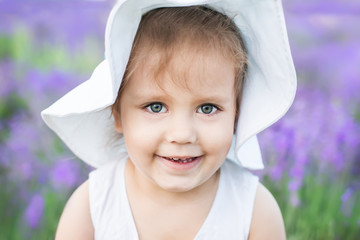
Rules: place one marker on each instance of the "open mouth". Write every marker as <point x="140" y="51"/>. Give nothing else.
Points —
<point x="181" y="160"/>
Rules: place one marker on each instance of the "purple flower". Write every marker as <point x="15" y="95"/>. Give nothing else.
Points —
<point x="23" y="136"/>
<point x="65" y="173"/>
<point x="7" y="82"/>
<point x="347" y="202"/>
<point x="68" y="22"/>
<point x="347" y="195"/>
<point x="331" y="7"/>
<point x="294" y="199"/>
<point x="26" y="169"/>
<point x="294" y="185"/>
<point x="34" y="211"/>
<point x="276" y="172"/>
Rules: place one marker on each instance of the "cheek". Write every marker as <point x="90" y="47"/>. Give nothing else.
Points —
<point x="140" y="136"/>
<point x="218" y="138"/>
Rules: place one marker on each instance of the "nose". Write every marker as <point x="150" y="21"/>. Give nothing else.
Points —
<point x="181" y="130"/>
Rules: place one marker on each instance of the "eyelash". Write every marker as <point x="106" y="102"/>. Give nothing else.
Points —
<point x="214" y="109"/>
<point x="150" y="108"/>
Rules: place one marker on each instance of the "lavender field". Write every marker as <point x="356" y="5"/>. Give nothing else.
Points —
<point x="312" y="156"/>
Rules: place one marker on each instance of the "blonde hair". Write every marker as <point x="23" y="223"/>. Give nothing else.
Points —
<point x="168" y="29"/>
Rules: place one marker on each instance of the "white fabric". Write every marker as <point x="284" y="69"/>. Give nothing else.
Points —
<point x="229" y="218"/>
<point x="82" y="118"/>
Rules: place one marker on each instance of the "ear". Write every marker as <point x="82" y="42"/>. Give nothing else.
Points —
<point x="117" y="123"/>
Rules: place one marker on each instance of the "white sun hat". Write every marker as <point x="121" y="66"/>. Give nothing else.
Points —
<point x="82" y="118"/>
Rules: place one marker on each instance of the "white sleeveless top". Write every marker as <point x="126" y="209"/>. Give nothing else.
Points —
<point x="229" y="217"/>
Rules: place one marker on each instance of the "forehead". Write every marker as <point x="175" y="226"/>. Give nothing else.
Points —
<point x="188" y="68"/>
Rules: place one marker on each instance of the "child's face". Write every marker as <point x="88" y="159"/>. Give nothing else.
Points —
<point x="178" y="135"/>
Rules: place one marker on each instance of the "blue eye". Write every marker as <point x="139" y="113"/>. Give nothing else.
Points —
<point x="207" y="109"/>
<point x="156" y="108"/>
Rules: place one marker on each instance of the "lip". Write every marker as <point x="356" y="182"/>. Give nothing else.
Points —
<point x="180" y="163"/>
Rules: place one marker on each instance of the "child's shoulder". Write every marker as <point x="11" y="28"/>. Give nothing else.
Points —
<point x="267" y="221"/>
<point x="75" y="221"/>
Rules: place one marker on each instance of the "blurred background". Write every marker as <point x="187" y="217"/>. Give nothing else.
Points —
<point x="312" y="155"/>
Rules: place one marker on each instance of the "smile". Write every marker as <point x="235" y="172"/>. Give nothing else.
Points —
<point x="180" y="163"/>
<point x="181" y="160"/>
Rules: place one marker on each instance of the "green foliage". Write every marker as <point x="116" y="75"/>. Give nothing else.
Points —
<point x="54" y="204"/>
<point x="10" y="212"/>
<point x="5" y="50"/>
<point x="21" y="49"/>
<point x="12" y="225"/>
<point x="321" y="214"/>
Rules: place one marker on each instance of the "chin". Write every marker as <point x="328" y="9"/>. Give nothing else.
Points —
<point x="177" y="187"/>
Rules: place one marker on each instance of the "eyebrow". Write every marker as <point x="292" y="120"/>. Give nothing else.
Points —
<point x="162" y="95"/>
<point x="149" y="94"/>
<point x="215" y="99"/>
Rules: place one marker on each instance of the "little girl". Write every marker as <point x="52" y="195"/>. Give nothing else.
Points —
<point x="170" y="119"/>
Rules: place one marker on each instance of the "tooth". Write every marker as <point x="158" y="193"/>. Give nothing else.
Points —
<point x="180" y="160"/>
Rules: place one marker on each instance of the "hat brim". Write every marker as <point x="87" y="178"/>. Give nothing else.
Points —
<point x="83" y="120"/>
